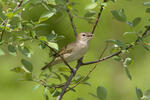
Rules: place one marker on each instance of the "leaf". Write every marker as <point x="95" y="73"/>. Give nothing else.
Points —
<point x="12" y="50"/>
<point x="113" y="0"/>
<point x="117" y="42"/>
<point x="65" y="69"/>
<point x="127" y="62"/>
<point x="26" y="75"/>
<point x="36" y="87"/>
<point x="1" y="52"/>
<point x="147" y="10"/>
<point x="58" y="76"/>
<point x="144" y="46"/>
<point x="25" y="51"/>
<point x="129" y="33"/>
<point x="53" y="45"/>
<point x="139" y="93"/>
<point x="146" y="3"/>
<point x="52" y="90"/>
<point x="93" y="95"/>
<point x="90" y="13"/>
<point x="45" y="94"/>
<point x="147" y="93"/>
<point x="52" y="36"/>
<point x="18" y="70"/>
<point x="101" y="93"/>
<point x="80" y="99"/>
<point x="128" y="73"/>
<point x="119" y="15"/>
<point x="136" y="21"/>
<point x="42" y="38"/>
<point x="45" y="16"/>
<point x="56" y="93"/>
<point x="91" y="6"/>
<point x="65" y="76"/>
<point x="117" y="58"/>
<point x="27" y="65"/>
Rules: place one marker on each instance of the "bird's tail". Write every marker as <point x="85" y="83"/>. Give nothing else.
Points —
<point x="48" y="65"/>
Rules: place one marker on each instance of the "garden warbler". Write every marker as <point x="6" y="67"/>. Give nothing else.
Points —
<point x="73" y="51"/>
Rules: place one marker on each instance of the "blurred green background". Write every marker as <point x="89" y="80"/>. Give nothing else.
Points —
<point x="109" y="74"/>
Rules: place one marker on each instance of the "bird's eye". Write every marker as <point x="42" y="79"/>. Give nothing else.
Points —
<point x="83" y="35"/>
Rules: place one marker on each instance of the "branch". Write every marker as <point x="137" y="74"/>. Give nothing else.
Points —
<point x="65" y="62"/>
<point x="69" y="79"/>
<point x="119" y="52"/>
<point x="80" y="63"/>
<point x="6" y="20"/>
<point x="91" y="69"/>
<point x="98" y="17"/>
<point x="71" y="20"/>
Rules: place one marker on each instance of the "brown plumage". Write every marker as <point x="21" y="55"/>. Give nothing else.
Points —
<point x="72" y="51"/>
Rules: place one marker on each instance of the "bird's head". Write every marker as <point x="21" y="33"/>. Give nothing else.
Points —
<point x="84" y="36"/>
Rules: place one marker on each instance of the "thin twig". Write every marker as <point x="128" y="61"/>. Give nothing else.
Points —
<point x="98" y="17"/>
<point x="65" y="62"/>
<point x="6" y="20"/>
<point x="71" y="20"/>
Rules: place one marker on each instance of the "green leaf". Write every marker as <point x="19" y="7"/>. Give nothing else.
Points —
<point x="90" y="13"/>
<point x="57" y="76"/>
<point x="117" y="58"/>
<point x="119" y="15"/>
<point x="80" y="99"/>
<point x="52" y="90"/>
<point x="147" y="10"/>
<point x="144" y="46"/>
<point x="139" y="93"/>
<point x="45" y="16"/>
<point x="42" y="38"/>
<point x="36" y="87"/>
<point x="136" y="21"/>
<point x="147" y="93"/>
<point x="27" y="65"/>
<point x="93" y="95"/>
<point x="65" y="69"/>
<point x="65" y="76"/>
<point x="129" y="33"/>
<point x="12" y="50"/>
<point x="101" y="93"/>
<point x="91" y="6"/>
<point x="127" y="62"/>
<point x="2" y="52"/>
<point x="45" y="94"/>
<point x="18" y="70"/>
<point x="25" y="51"/>
<point x="26" y="75"/>
<point x="113" y="0"/>
<point x="53" y="45"/>
<point x="128" y="73"/>
<point x="56" y="93"/>
<point x="146" y="3"/>
<point x="117" y="42"/>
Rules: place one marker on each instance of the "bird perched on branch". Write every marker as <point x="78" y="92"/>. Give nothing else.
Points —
<point x="72" y="51"/>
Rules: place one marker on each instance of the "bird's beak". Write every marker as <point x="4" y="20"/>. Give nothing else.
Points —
<point x="89" y="35"/>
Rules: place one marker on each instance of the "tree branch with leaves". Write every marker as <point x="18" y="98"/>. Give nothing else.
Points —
<point x="31" y="22"/>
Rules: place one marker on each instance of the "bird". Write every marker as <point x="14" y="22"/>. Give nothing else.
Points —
<point x="72" y="51"/>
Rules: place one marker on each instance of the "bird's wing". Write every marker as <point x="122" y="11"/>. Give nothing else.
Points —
<point x="67" y="49"/>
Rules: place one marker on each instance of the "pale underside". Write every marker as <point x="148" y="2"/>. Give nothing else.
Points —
<point x="73" y="52"/>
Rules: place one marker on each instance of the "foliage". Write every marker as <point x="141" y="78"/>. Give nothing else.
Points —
<point x="28" y="21"/>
